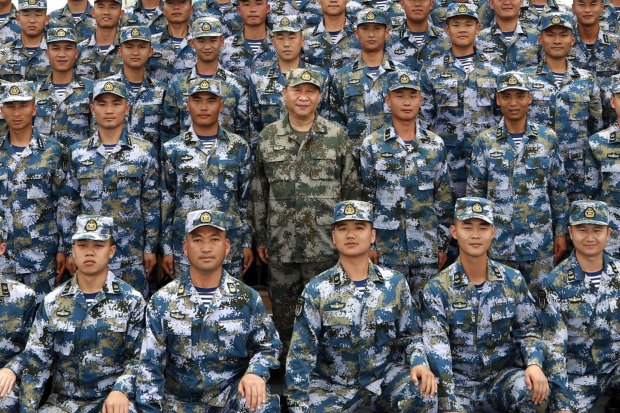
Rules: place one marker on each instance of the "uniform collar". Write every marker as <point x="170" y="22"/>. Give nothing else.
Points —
<point x="387" y="64"/>
<point x="420" y="134"/>
<point x="191" y="136"/>
<point x="494" y="273"/>
<point x="36" y="143"/>
<point x="531" y="130"/>
<point x="67" y="13"/>
<point x="575" y="274"/>
<point x="124" y="141"/>
<point x="139" y="5"/>
<point x="220" y="73"/>
<point x="340" y="277"/>
<point x="227" y="286"/>
<point x="110" y="287"/>
<point x="76" y="82"/>
<point x="317" y="127"/>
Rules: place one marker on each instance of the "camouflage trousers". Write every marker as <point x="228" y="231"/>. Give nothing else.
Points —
<point x="236" y="404"/>
<point x="62" y="404"/>
<point x="417" y="276"/>
<point x="533" y="271"/>
<point x="504" y="392"/>
<point x="10" y="402"/>
<point x="41" y="282"/>
<point x="586" y="389"/>
<point x="286" y="282"/>
<point x="395" y="393"/>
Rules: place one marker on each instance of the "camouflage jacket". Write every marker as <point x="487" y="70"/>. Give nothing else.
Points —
<point x="404" y="49"/>
<point x="84" y="27"/>
<point x="138" y="16"/>
<point x="227" y="14"/>
<point x="166" y="61"/>
<point x="237" y="55"/>
<point x="309" y="10"/>
<point x="10" y="30"/>
<point x="93" y="64"/>
<point x="521" y="51"/>
<point x="17" y="309"/>
<point x="17" y="65"/>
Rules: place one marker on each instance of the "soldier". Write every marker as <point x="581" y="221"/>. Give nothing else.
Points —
<point x="117" y="174"/>
<point x="266" y="83"/>
<point x="357" y="338"/>
<point x="9" y="28"/>
<point x="17" y="309"/>
<point x="251" y="47"/>
<point x="529" y="15"/>
<point x="32" y="173"/>
<point x="25" y="58"/>
<point x="207" y="40"/>
<point x="459" y="88"/>
<point x="602" y="166"/>
<point x="307" y="10"/>
<point x="478" y="319"/>
<point x="507" y="40"/>
<point x="209" y="341"/>
<point x="86" y="334"/>
<point x="417" y="41"/>
<point x="519" y="167"/>
<point x="98" y="56"/>
<point x="303" y="166"/>
<point x="146" y="95"/>
<point x="580" y="312"/>
<point x="76" y="14"/>
<point x="206" y="167"/>
<point x="357" y="92"/>
<point x="405" y="175"/>
<point x="332" y="43"/>
<point x="172" y="53"/>
<point x="63" y="97"/>
<point x="225" y="11"/>
<point x="396" y="15"/>
<point x="147" y="13"/>
<point x="610" y="17"/>
<point x="564" y="97"/>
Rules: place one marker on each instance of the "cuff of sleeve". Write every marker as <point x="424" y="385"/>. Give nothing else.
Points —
<point x="167" y="249"/>
<point x="15" y="365"/>
<point x="560" y="230"/>
<point x="417" y="359"/>
<point x="125" y="384"/>
<point x="259" y="370"/>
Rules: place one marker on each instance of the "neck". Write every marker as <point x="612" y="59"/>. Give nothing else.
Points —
<point x="178" y="30"/>
<point x="206" y="130"/>
<point x="285" y="66"/>
<point x="418" y="26"/>
<point x="255" y="32"/>
<point x="589" y="34"/>
<point x="111" y="136"/>
<point x="335" y="23"/>
<point x="301" y="124"/>
<point x="589" y="264"/>
<point x="78" y="6"/>
<point x="406" y="129"/>
<point x="373" y="58"/>
<point x="134" y="75"/>
<point x="6" y="9"/>
<point x="150" y="4"/>
<point x="92" y="283"/>
<point x="105" y="36"/>
<point x="32" y="41"/>
<point x="62" y="77"/>
<point x="507" y="25"/>
<point x="557" y="65"/>
<point x="615" y="3"/>
<point x="538" y="2"/>
<point x="207" y="68"/>
<point x="475" y="267"/>
<point x="515" y="126"/>
<point x="356" y="267"/>
<point x="462" y="51"/>
<point x="205" y="279"/>
<point x="21" y="137"/>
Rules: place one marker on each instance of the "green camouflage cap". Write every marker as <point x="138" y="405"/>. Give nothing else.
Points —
<point x="555" y="19"/>
<point x="94" y="227"/>
<point x="462" y="9"/>
<point x="32" y="4"/>
<point x="135" y="33"/>
<point x="110" y="86"/>
<point x="589" y="212"/>
<point x="403" y="79"/>
<point x="60" y="34"/>
<point x="17" y="92"/>
<point x="205" y="217"/>
<point x="353" y="210"/>
<point x="615" y="84"/>
<point x="300" y="76"/>
<point x="205" y="85"/>
<point x="473" y="207"/>
<point x="292" y="23"/>
<point x="512" y="80"/>
<point x="372" y="16"/>
<point x="206" y="27"/>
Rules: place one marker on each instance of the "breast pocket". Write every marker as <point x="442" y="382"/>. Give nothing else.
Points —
<point x="129" y="181"/>
<point x="63" y="333"/>
<point x="426" y="185"/>
<point x="579" y="107"/>
<point x="502" y="316"/>
<point x="611" y="176"/>
<point x="386" y="328"/>
<point x="111" y="333"/>
<point x="499" y="177"/>
<point x="486" y="91"/>
<point x="91" y="184"/>
<point x="536" y="171"/>
<point x="179" y="335"/>
<point x="228" y="174"/>
<point x="461" y="322"/>
<point x="232" y="337"/>
<point x="447" y="94"/>
<point x="337" y="326"/>
<point x="79" y="114"/>
<point x="279" y="170"/>
<point x="37" y="186"/>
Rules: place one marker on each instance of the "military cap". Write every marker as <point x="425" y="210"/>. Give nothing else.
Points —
<point x="403" y="79"/>
<point x="462" y="9"/>
<point x="94" y="227"/>
<point x="353" y="210"/>
<point x="292" y="23"/>
<point x="299" y="76"/>
<point x="135" y="33"/>
<point x="373" y="16"/>
<point x="474" y="207"/>
<point x="17" y="92"/>
<point x="512" y="80"/>
<point x="615" y="84"/>
<point x="205" y="85"/>
<point x="32" y="4"/>
<point x="589" y="212"/>
<point x="60" y="34"/>
<point x="118" y="1"/>
<point x="110" y="86"/>
<point x="206" y="27"/>
<point x="205" y="217"/>
<point x="555" y="19"/>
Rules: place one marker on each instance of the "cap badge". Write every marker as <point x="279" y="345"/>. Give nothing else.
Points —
<point x="462" y="8"/>
<point x="285" y="21"/>
<point x="349" y="209"/>
<point x="205" y="218"/>
<point x="204" y="84"/>
<point x="556" y="19"/>
<point x="370" y="16"/>
<point x="589" y="213"/>
<point x="306" y="76"/>
<point x="135" y="32"/>
<point x="14" y="90"/>
<point x="512" y="80"/>
<point x="91" y="225"/>
<point x="477" y="208"/>
<point x="108" y="87"/>
<point x="61" y="33"/>
<point x="206" y="27"/>
<point x="404" y="79"/>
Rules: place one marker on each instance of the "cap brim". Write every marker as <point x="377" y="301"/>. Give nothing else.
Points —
<point x="418" y="88"/>
<point x="198" y="36"/>
<point x="287" y="29"/>
<point x="351" y="219"/>
<point x="103" y="92"/>
<point x="513" y="88"/>
<point x="302" y="82"/>
<point x="18" y="99"/>
<point x="187" y="231"/>
<point x="85" y="236"/>
<point x="477" y="216"/>
<point x="589" y="221"/>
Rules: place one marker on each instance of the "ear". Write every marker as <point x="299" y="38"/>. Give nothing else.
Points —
<point x="112" y="251"/>
<point x="453" y="232"/>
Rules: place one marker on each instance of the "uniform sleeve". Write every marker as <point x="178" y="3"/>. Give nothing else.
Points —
<point x="260" y="199"/>
<point x="410" y="328"/>
<point x="151" y="205"/>
<point x="302" y="355"/>
<point x="264" y="343"/>
<point x="477" y="176"/>
<point x="150" y="380"/>
<point x="595" y="108"/>
<point x="558" y="193"/>
<point x="437" y="343"/>
<point x="368" y="172"/>
<point x="29" y="310"/>
<point x="171" y="123"/>
<point x="168" y="185"/>
<point x="526" y="329"/>
<point x="337" y="107"/>
<point x="350" y="179"/>
<point x="69" y="204"/>
<point x="242" y="117"/>
<point x="256" y="123"/>
<point x="243" y="195"/>
<point x="133" y="340"/>
<point x="59" y="180"/>
<point x="592" y="172"/>
<point x="443" y="203"/>
<point x="427" y="110"/>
